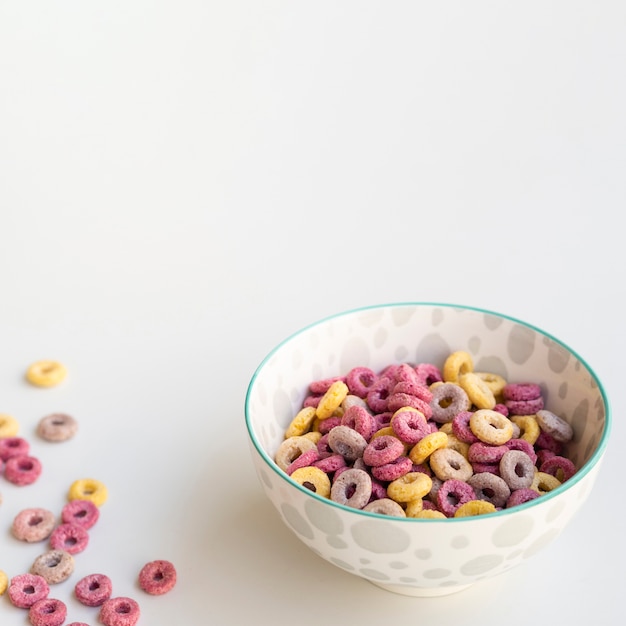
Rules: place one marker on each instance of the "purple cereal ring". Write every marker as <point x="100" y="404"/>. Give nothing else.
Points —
<point x="32" y="525"/>
<point x="400" y="400"/>
<point x="352" y="488"/>
<point x="519" y="496"/>
<point x="410" y="426"/>
<point x="449" y="399"/>
<point x="555" y="426"/>
<point x="320" y="387"/>
<point x="461" y="427"/>
<point x="427" y="373"/>
<point x="414" y="389"/>
<point x="501" y="408"/>
<point x="360" y="381"/>
<point x="480" y="452"/>
<point x="13" y="446"/>
<point x="383" y="419"/>
<point x="83" y="512"/>
<point x="71" y="538"/>
<point x="347" y="442"/>
<point x="158" y="577"/>
<point x="379" y="490"/>
<point x="119" y="612"/>
<point x="378" y="394"/>
<point x="323" y="448"/>
<point x="330" y="464"/>
<point x="26" y="589"/>
<point x="542" y="456"/>
<point x="393" y="470"/>
<point x="558" y="466"/>
<point x="93" y="590"/>
<point x="304" y="460"/>
<point x="521" y="392"/>
<point x="452" y="494"/>
<point x="490" y="487"/>
<point x="524" y="446"/>
<point x="545" y="441"/>
<point x="361" y="420"/>
<point x="382" y="450"/>
<point x="405" y="373"/>
<point x="312" y="401"/>
<point x="491" y="468"/>
<point x="328" y="424"/>
<point x="524" y="407"/>
<point x="47" y="612"/>
<point x="517" y="469"/>
<point x="22" y="470"/>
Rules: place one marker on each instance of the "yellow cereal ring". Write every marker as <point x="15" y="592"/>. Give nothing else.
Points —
<point x="426" y="446"/>
<point x="456" y="444"/>
<point x="543" y="483"/>
<point x="301" y="423"/>
<point x="88" y="489"/>
<point x="414" y="507"/>
<point x="491" y="427"/>
<point x="429" y="514"/>
<point x="475" y="507"/>
<point x="46" y="373"/>
<point x="495" y="382"/>
<point x="446" y="428"/>
<point x="4" y="582"/>
<point x="314" y="436"/>
<point x="332" y="399"/>
<point x="529" y="427"/>
<point x="411" y="486"/>
<point x="9" y="426"/>
<point x="457" y="363"/>
<point x="477" y="390"/>
<point x="313" y="478"/>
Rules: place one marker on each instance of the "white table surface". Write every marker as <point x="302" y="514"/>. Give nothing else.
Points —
<point x="184" y="184"/>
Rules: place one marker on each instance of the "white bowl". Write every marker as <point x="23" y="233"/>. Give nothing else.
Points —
<point x="425" y="557"/>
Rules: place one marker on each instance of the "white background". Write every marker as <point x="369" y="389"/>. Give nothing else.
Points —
<point x="184" y="184"/>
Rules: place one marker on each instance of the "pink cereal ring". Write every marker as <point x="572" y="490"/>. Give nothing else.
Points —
<point x="524" y="446"/>
<point x="405" y="373"/>
<point x="519" y="496"/>
<point x="119" y="611"/>
<point x="521" y="391"/>
<point x="480" y="452"/>
<point x="482" y="468"/>
<point x="22" y="470"/>
<point x="461" y="427"/>
<point x="47" y="612"/>
<point x="452" y="494"/>
<point x="524" y="407"/>
<point x="331" y="463"/>
<point x="13" y="446"/>
<point x="393" y="470"/>
<point x="26" y="589"/>
<point x="32" y="525"/>
<point x="399" y="400"/>
<point x="409" y="425"/>
<point x="557" y="466"/>
<point x="414" y="389"/>
<point x="545" y="441"/>
<point x="93" y="590"/>
<point x="360" y="381"/>
<point x="352" y="488"/>
<point x="361" y="420"/>
<point x="71" y="538"/>
<point x="320" y="387"/>
<point x="382" y="450"/>
<point x="312" y="401"/>
<point x="82" y="512"/>
<point x="501" y="408"/>
<point x="323" y="448"/>
<point x="427" y="373"/>
<point x="157" y="577"/>
<point x="378" y="394"/>
<point x="304" y="460"/>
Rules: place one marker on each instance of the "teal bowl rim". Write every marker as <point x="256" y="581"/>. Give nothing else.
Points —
<point x="578" y="476"/>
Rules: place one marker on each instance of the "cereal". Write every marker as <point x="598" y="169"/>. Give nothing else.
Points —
<point x="26" y="589"/>
<point x="352" y="488"/>
<point x="489" y="487"/>
<point x="491" y="427"/>
<point x="93" y="590"/>
<point x="73" y="538"/>
<point x="457" y="363"/>
<point x="314" y="479"/>
<point x="519" y="392"/>
<point x="157" y="577"/>
<point x="409" y="425"/>
<point x="13" y="446"/>
<point x="119" y="611"/>
<point x="57" y="427"/>
<point x="410" y="487"/>
<point x="447" y="463"/>
<point x="426" y="446"/>
<point x="558" y="466"/>
<point x="379" y="393"/>
<point x="495" y="382"/>
<point x="448" y="400"/>
<point x="385" y="506"/>
<point x="359" y="419"/>
<point x="393" y="470"/>
<point x="554" y="426"/>
<point x="474" y="507"/>
<point x="477" y="390"/>
<point x="22" y="470"/>
<point x="543" y="482"/>
<point x="47" y="612"/>
<point x="360" y="381"/>
<point x="517" y="469"/>
<point x="46" y="373"/>
<point x="529" y="427"/>
<point x="480" y="452"/>
<point x="332" y="399"/>
<point x="4" y="582"/>
<point x="34" y="524"/>
<point x="89" y="489"/>
<point x="9" y="426"/>
<point x="83" y="512"/>
<point x="452" y="494"/>
<point x="53" y="566"/>
<point x="520" y="496"/>
<point x="291" y="448"/>
<point x="347" y="442"/>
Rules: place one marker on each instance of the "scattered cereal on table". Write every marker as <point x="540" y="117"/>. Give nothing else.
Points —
<point x="46" y="373"/>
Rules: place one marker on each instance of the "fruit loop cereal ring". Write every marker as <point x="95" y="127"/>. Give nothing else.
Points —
<point x="449" y="399"/>
<point x="480" y="452"/>
<point x="77" y="624"/>
<point x="314" y="436"/>
<point x="91" y="489"/>
<point x="9" y="426"/>
<point x="391" y="471"/>
<point x="73" y="538"/>
<point x="544" y="482"/>
<point x="311" y="401"/>
<point x="93" y="590"/>
<point x="325" y="426"/>
<point x="359" y="419"/>
<point x="491" y="427"/>
<point x="519" y="496"/>
<point x="157" y="577"/>
<point x="457" y="363"/>
<point x="399" y="400"/>
<point x="360" y="381"/>
<point x="411" y="487"/>
<point x="314" y="479"/>
<point x="461" y="427"/>
<point x="454" y="443"/>
<point x="424" y="448"/>
<point x="32" y="525"/>
<point x="4" y="582"/>
<point x="559" y="466"/>
<point x="347" y="442"/>
<point x="495" y="382"/>
<point x="290" y="449"/>
<point x="304" y="460"/>
<point x="378" y="394"/>
<point x="26" y="589"/>
<point x="546" y="441"/>
<point x="521" y="391"/>
<point x="429" y="514"/>
<point x="477" y="390"/>
<point x="385" y="506"/>
<point x="489" y="487"/>
<point x="447" y="463"/>
<point x="475" y="507"/>
<point x="409" y="425"/>
<point x="83" y="512"/>
<point x="524" y="407"/>
<point x="119" y="612"/>
<point x="501" y="408"/>
<point x="46" y="373"/>
<point x="320" y="387"/>
<point x="524" y="446"/>
<point x="57" y="427"/>
<point x="529" y="427"/>
<point x="301" y="423"/>
<point x="352" y="488"/>
<point x="427" y="374"/>
<point x="414" y="388"/>
<point x="22" y="470"/>
<point x="452" y="494"/>
<point x="517" y="469"/>
<point x="53" y="566"/>
<point x="13" y="446"/>
<point x="414" y="507"/>
<point x="382" y="449"/>
<point x="47" y="612"/>
<point x="555" y="426"/>
<point x="331" y="463"/>
<point x="332" y="399"/>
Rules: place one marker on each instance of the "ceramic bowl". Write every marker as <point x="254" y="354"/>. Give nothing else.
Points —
<point x="425" y="557"/>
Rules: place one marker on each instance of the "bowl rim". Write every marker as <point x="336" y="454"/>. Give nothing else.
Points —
<point x="580" y="474"/>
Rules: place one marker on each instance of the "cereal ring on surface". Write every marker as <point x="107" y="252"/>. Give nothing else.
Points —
<point x="524" y="407"/>
<point x="425" y="447"/>
<point x="449" y="399"/>
<point x="73" y="538"/>
<point x="409" y="425"/>
<point x="447" y="463"/>
<point x="47" y="612"/>
<point x="347" y="442"/>
<point x="555" y="426"/>
<point x="529" y="427"/>
<point x="4" y="582"/>
<point x="22" y="470"/>
<point x="382" y="449"/>
<point x="93" y="590"/>
<point x="461" y="427"/>
<point x="32" y="525"/>
<point x="558" y="466"/>
<point x="352" y="488"/>
<point x="477" y="390"/>
<point x="521" y="391"/>
<point x="360" y="380"/>
<point x="385" y="506"/>
<point x="89" y="489"/>
<point x="57" y="427"/>
<point x="314" y="479"/>
<point x="411" y="487"/>
<point x="157" y="577"/>
<point x="301" y="423"/>
<point x="332" y="399"/>
<point x="9" y="426"/>
<point x="46" y="373"/>
<point x="26" y="589"/>
<point x="83" y="512"/>
<point x="517" y="469"/>
<point x="119" y="612"/>
<point x="427" y="374"/>
<point x="53" y="566"/>
<point x="489" y="487"/>
<point x="475" y="507"/>
<point x="457" y="363"/>
<point x="361" y="420"/>
<point x="452" y="494"/>
<point x="543" y="482"/>
<point x="393" y="470"/>
<point x="491" y="427"/>
<point x="519" y="496"/>
<point x="13" y="446"/>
